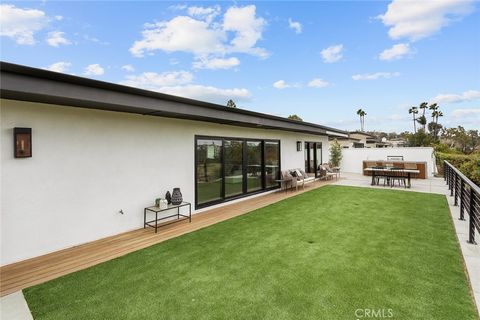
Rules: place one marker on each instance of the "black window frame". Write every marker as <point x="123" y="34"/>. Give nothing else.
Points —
<point x="245" y="193"/>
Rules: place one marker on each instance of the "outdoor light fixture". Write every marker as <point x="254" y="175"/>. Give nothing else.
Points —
<point x="299" y="145"/>
<point x="22" y="142"/>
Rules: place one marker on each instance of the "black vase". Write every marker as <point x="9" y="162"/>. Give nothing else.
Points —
<point x="168" y="197"/>
<point x="176" y="196"/>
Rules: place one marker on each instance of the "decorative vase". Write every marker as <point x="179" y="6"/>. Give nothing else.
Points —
<point x="157" y="202"/>
<point x="176" y="196"/>
<point x="168" y="197"/>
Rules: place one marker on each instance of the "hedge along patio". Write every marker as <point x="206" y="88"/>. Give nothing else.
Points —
<point x="320" y="255"/>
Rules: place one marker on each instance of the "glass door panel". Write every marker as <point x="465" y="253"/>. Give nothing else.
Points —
<point x="311" y="158"/>
<point x="233" y="167"/>
<point x="306" y="153"/>
<point x="318" y="156"/>
<point x="209" y="170"/>
<point x="254" y="166"/>
<point x="272" y="163"/>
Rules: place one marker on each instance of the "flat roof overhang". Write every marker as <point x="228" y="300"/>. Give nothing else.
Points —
<point x="37" y="85"/>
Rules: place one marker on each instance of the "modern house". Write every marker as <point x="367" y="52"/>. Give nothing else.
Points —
<point x="81" y="158"/>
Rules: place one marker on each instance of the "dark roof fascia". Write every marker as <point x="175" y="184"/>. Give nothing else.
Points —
<point x="24" y="83"/>
<point x="362" y="133"/>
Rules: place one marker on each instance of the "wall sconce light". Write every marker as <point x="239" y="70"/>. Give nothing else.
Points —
<point x="299" y="145"/>
<point x="22" y="142"/>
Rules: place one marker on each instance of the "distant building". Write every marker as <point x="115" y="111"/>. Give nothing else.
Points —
<point x="359" y="139"/>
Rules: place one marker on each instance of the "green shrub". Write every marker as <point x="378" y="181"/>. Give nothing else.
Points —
<point x="469" y="165"/>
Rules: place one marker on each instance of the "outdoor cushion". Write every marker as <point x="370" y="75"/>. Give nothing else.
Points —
<point x="299" y="173"/>
<point x="304" y="174"/>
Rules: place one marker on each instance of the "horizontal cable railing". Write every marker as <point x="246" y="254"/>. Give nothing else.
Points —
<point x="466" y="195"/>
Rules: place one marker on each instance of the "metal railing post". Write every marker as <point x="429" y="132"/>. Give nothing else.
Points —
<point x="447" y="168"/>
<point x="471" y="226"/>
<point x="452" y="181"/>
<point x="456" y="191"/>
<point x="462" y="203"/>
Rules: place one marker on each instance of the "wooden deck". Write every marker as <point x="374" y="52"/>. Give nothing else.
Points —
<point x="23" y="274"/>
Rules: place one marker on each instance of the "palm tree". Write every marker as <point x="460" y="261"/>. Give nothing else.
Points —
<point x="434" y="108"/>
<point x="436" y="113"/>
<point x="422" y="120"/>
<point x="413" y="111"/>
<point x="362" y="115"/>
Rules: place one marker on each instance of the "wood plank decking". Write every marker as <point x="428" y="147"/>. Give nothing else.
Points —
<point x="23" y="274"/>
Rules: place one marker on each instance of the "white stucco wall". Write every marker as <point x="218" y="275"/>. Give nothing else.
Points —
<point x="89" y="164"/>
<point x="353" y="158"/>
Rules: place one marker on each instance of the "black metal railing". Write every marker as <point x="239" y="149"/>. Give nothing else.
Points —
<point x="467" y="196"/>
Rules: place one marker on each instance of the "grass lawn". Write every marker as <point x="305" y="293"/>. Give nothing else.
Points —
<point x="320" y="255"/>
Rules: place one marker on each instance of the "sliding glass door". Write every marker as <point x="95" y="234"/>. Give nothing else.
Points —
<point x="313" y="157"/>
<point x="272" y="163"/>
<point x="209" y="170"/>
<point x="233" y="167"/>
<point x="229" y="168"/>
<point x="254" y="166"/>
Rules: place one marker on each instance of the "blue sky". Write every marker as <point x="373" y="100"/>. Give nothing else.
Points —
<point x="321" y="60"/>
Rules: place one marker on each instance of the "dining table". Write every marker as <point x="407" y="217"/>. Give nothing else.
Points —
<point x="375" y="170"/>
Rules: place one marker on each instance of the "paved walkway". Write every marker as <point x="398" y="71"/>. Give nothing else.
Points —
<point x="470" y="252"/>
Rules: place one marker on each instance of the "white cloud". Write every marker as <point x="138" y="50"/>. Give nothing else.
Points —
<point x="398" y="51"/>
<point x="155" y="81"/>
<point x="318" y="83"/>
<point x="419" y="19"/>
<point x="21" y="24"/>
<point x="179" y="83"/>
<point x="58" y="18"/>
<point x="56" y="38"/>
<point x="295" y="25"/>
<point x="216" y="63"/>
<point x="94" y="70"/>
<point x="375" y="76"/>
<point x="456" y="98"/>
<point x="204" y="13"/>
<point x="248" y="30"/>
<point x="464" y="113"/>
<point x="60" y="66"/>
<point x="128" y="68"/>
<point x="332" y="53"/>
<point x="281" y="84"/>
<point x="182" y="33"/>
<point x="198" y="35"/>
<point x="96" y="40"/>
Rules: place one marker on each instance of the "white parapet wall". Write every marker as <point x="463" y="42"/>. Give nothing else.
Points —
<point x="353" y="158"/>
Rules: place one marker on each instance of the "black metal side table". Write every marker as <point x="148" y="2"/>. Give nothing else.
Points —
<point x="157" y="210"/>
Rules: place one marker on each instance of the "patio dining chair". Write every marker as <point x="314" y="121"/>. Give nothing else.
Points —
<point x="397" y="174"/>
<point x="382" y="175"/>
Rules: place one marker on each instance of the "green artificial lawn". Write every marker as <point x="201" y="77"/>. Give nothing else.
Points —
<point x="320" y="255"/>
